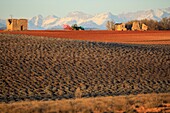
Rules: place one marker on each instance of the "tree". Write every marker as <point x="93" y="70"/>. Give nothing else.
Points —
<point x="152" y="24"/>
<point x="129" y="25"/>
<point x="110" y="25"/>
<point x="164" y="24"/>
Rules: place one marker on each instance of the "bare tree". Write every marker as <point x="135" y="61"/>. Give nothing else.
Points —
<point x="164" y="24"/>
<point x="110" y="25"/>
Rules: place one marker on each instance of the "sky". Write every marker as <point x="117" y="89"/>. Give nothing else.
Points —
<point x="60" y="8"/>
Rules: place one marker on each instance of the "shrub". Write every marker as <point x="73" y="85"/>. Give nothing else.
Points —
<point x="78" y="93"/>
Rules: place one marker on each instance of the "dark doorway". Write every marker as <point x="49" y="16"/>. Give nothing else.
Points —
<point x="21" y="27"/>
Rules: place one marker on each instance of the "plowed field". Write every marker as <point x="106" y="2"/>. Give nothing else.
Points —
<point x="42" y="68"/>
<point x="134" y="37"/>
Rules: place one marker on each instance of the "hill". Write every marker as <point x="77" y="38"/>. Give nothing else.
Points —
<point x="42" y="68"/>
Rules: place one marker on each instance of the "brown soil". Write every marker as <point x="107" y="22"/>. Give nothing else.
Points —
<point x="42" y="68"/>
<point x="133" y="37"/>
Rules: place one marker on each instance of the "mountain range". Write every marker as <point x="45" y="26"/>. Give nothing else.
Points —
<point x="97" y="21"/>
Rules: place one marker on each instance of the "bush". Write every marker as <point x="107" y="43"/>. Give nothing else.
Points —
<point x="78" y="93"/>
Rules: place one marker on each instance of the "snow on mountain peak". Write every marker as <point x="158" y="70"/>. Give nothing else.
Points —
<point x="51" y="17"/>
<point x="167" y="9"/>
<point x="49" y="20"/>
<point x="36" y="22"/>
<point x="102" y="18"/>
<point x="78" y="14"/>
<point x="38" y="17"/>
<point x="158" y="12"/>
<point x="106" y="14"/>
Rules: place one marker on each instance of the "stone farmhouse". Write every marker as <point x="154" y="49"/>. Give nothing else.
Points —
<point x="137" y="27"/>
<point x="120" y="27"/>
<point x="144" y="27"/>
<point x="17" y="24"/>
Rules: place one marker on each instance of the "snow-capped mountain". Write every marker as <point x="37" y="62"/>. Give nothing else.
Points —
<point x="102" y="18"/>
<point x="97" y="21"/>
<point x="36" y="22"/>
<point x="2" y="23"/>
<point x="49" y="21"/>
<point x="79" y="15"/>
<point x="157" y="14"/>
<point x="71" y="18"/>
<point x="89" y="25"/>
<point x="167" y="9"/>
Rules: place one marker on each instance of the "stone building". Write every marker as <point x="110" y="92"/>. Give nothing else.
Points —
<point x="144" y="27"/>
<point x="17" y="24"/>
<point x="120" y="27"/>
<point x="136" y="26"/>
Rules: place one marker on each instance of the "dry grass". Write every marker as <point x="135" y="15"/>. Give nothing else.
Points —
<point x="41" y="68"/>
<point x="126" y="104"/>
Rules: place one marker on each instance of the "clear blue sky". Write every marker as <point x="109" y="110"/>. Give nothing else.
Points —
<point x="30" y="8"/>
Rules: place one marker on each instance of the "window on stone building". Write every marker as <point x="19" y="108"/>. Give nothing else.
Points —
<point x="10" y="21"/>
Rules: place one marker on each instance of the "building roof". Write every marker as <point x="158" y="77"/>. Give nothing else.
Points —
<point x="118" y="23"/>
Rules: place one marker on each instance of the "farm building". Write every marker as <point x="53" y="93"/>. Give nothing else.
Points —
<point x="136" y="26"/>
<point x="120" y="27"/>
<point x="17" y="24"/>
<point x="144" y="27"/>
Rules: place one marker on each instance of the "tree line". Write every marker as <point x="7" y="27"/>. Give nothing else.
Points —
<point x="163" y="24"/>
